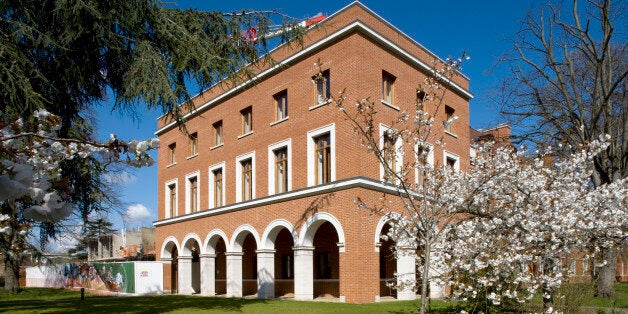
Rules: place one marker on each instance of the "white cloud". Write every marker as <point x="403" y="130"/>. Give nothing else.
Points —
<point x="136" y="214"/>
<point x="122" y="178"/>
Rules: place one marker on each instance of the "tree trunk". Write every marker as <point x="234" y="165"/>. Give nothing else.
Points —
<point x="11" y="275"/>
<point x="548" y="298"/>
<point x="425" y="275"/>
<point x="605" y="279"/>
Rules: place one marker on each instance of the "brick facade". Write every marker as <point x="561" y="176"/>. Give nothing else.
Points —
<point x="246" y="247"/>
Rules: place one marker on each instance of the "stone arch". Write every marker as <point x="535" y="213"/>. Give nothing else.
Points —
<point x="166" y="247"/>
<point x="273" y="229"/>
<point x="378" y="230"/>
<point x="238" y="237"/>
<point x="187" y="244"/>
<point x="209" y="246"/>
<point x="306" y="236"/>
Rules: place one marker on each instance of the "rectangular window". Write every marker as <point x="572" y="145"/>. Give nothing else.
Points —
<point x="171" y="199"/>
<point x="217" y="133"/>
<point x="388" y="81"/>
<point x="451" y="160"/>
<point x="322" y="154"/>
<point x="390" y="155"/>
<point x="247" y="179"/>
<point x="321" y="82"/>
<point x="281" y="170"/>
<point x="171" y="149"/>
<point x="193" y="194"/>
<point x="449" y="118"/>
<point x="420" y="99"/>
<point x="247" y="120"/>
<point x="217" y="187"/>
<point x="193" y="144"/>
<point x="172" y="191"/>
<point x="281" y="105"/>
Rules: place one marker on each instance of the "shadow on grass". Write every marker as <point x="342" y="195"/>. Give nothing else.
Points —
<point x="148" y="304"/>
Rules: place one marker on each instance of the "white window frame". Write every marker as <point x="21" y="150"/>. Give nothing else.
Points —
<point x="287" y="143"/>
<point x="447" y="154"/>
<point x="429" y="159"/>
<point x="311" y="168"/>
<point x="398" y="151"/>
<point x="238" y="167"/>
<point x="167" y="192"/>
<point x="188" y="176"/>
<point x="212" y="201"/>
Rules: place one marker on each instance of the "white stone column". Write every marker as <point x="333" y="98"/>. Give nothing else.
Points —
<point x="304" y="273"/>
<point x="406" y="272"/>
<point x="185" y="275"/>
<point x="436" y="291"/>
<point x="234" y="274"/>
<point x="208" y="274"/>
<point x="265" y="274"/>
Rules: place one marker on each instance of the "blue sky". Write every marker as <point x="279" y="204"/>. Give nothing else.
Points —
<point x="484" y="29"/>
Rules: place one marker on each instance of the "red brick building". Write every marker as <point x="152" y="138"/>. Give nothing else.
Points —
<point x="260" y="198"/>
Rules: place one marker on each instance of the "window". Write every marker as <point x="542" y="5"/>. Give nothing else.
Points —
<point x="390" y="144"/>
<point x="218" y="133"/>
<point x="217" y="187"/>
<point x="321" y="83"/>
<point x="281" y="105"/>
<point x="450" y="117"/>
<point x="322" y="158"/>
<point x="193" y="144"/>
<point x="171" y="199"/>
<point x="390" y="156"/>
<point x="424" y="158"/>
<point x="247" y="180"/>
<point x="451" y="160"/>
<point x="245" y="177"/>
<point x="193" y="194"/>
<point x="281" y="170"/>
<point x="171" y="149"/>
<point x="388" y="81"/>
<point x="247" y="120"/>
<point x="420" y="99"/>
<point x="321" y="154"/>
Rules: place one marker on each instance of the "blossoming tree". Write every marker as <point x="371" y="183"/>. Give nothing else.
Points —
<point x="522" y="221"/>
<point x="32" y="188"/>
<point x="502" y="230"/>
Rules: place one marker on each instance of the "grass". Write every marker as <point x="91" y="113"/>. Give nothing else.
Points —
<point x="33" y="300"/>
<point x="619" y="301"/>
<point x="40" y="300"/>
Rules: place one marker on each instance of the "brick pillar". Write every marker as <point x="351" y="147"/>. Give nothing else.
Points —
<point x="406" y="272"/>
<point x="304" y="273"/>
<point x="265" y="274"/>
<point x="185" y="275"/>
<point x="208" y="274"/>
<point x="234" y="274"/>
<point x="167" y="280"/>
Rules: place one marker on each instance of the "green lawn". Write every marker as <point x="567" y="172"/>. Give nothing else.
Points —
<point x="58" y="301"/>
<point x="34" y="300"/>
